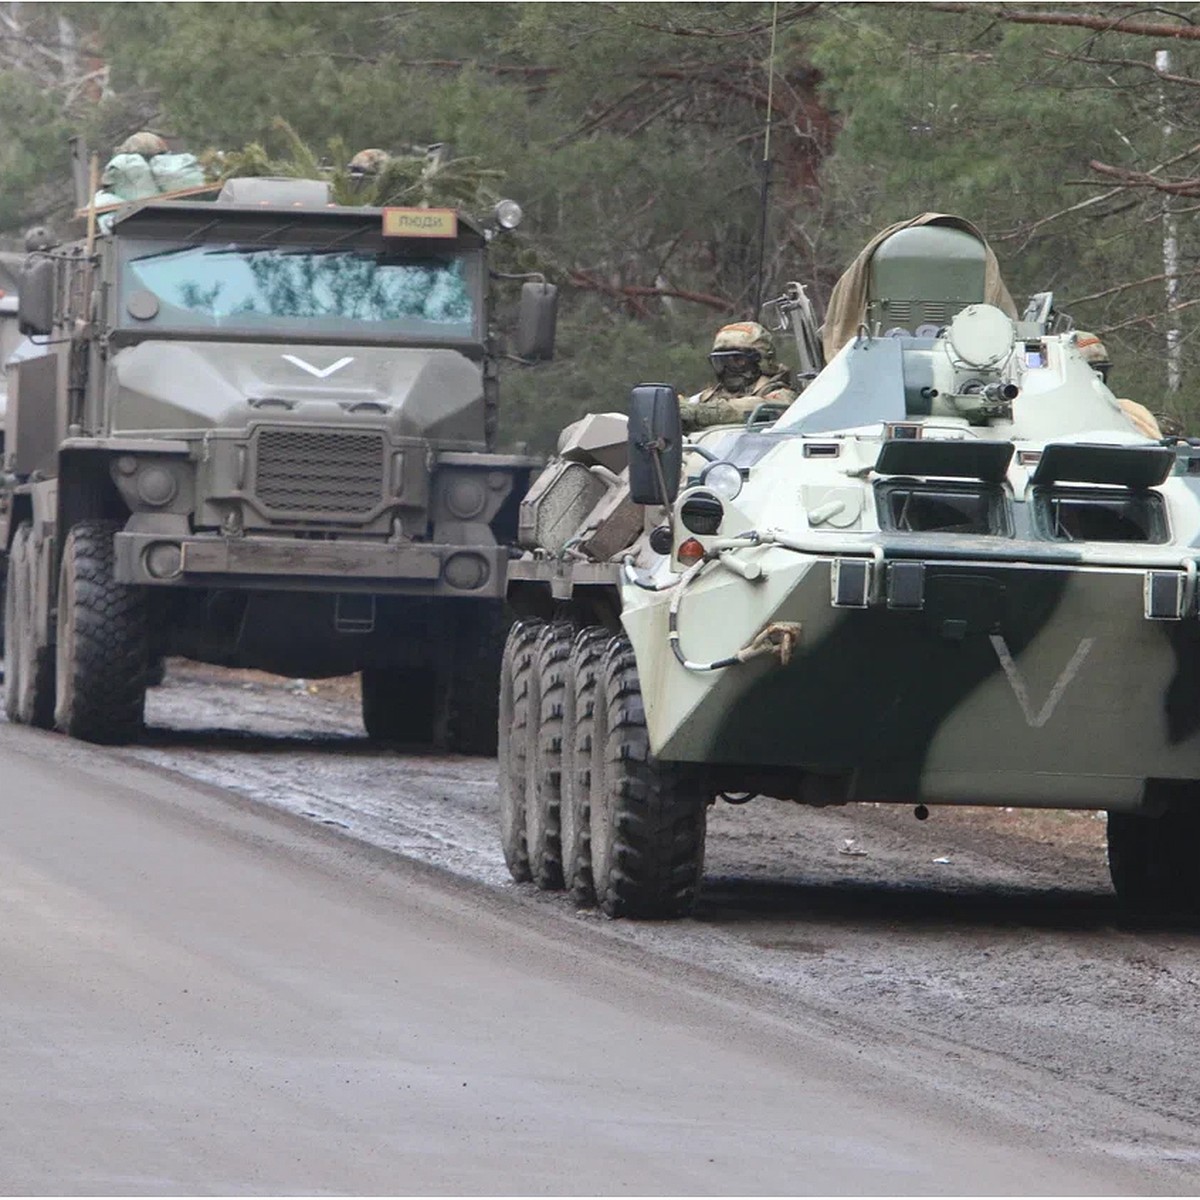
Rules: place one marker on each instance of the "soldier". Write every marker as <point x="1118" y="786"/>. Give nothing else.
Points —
<point x="1096" y="355"/>
<point x="743" y="357"/>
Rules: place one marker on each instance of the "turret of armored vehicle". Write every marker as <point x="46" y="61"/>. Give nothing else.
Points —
<point x="259" y="432"/>
<point x="952" y="572"/>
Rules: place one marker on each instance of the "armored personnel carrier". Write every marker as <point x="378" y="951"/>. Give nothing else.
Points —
<point x="951" y="572"/>
<point x="260" y="432"/>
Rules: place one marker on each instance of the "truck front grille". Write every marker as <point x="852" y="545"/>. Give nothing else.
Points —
<point x="319" y="471"/>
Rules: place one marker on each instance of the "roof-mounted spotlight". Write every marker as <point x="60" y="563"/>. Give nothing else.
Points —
<point x="507" y="214"/>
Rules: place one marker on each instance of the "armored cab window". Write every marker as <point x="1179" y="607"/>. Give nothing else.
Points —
<point x="1100" y="515"/>
<point x="301" y="289"/>
<point x="912" y="507"/>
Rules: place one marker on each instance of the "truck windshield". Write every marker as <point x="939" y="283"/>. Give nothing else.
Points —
<point x="301" y="289"/>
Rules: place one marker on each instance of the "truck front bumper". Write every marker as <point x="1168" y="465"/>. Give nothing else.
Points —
<point x="298" y="564"/>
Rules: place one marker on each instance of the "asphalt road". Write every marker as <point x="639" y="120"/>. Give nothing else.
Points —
<point x="200" y="995"/>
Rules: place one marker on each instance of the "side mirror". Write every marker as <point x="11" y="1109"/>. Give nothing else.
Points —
<point x="655" y="444"/>
<point x="35" y="298"/>
<point x="536" y="321"/>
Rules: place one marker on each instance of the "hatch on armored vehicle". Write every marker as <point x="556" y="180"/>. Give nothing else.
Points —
<point x="952" y="572"/>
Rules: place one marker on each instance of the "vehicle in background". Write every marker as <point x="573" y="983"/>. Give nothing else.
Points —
<point x="259" y="431"/>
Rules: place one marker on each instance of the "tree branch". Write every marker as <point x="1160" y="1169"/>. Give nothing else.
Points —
<point x="1165" y="76"/>
<point x="1148" y="319"/>
<point x="1102" y="24"/>
<point x="1144" y="179"/>
<point x="1124" y="287"/>
<point x="630" y="293"/>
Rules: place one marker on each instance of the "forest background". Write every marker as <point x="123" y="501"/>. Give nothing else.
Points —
<point x="634" y="136"/>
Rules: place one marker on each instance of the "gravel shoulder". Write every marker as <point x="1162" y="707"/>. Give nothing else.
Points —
<point x="985" y="944"/>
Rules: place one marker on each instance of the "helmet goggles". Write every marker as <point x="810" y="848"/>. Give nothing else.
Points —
<point x="735" y="362"/>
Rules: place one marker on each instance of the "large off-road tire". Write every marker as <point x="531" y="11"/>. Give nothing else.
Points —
<point x="575" y="835"/>
<point x="517" y="682"/>
<point x="647" y="817"/>
<point x="12" y="624"/>
<point x="102" y="651"/>
<point x="398" y="704"/>
<point x="543" y="760"/>
<point x="30" y="695"/>
<point x="473" y="696"/>
<point x="1152" y="860"/>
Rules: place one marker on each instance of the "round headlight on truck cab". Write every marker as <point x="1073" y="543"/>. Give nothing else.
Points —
<point x="156" y="484"/>
<point x="465" y="497"/>
<point x="508" y="214"/>
<point x="723" y="478"/>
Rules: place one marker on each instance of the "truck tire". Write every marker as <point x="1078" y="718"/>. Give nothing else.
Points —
<point x="647" y="817"/>
<point x="13" y="628"/>
<point x="517" y="681"/>
<point x="398" y="704"/>
<point x="32" y="689"/>
<point x="102" y="650"/>
<point x="543" y="760"/>
<point x="473" y="698"/>
<point x="1152" y="860"/>
<point x="575" y="804"/>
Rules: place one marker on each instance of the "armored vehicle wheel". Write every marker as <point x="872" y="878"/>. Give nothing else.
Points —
<point x="398" y="704"/>
<point x="517" y="680"/>
<point x="30" y="696"/>
<point x="1152" y="860"/>
<point x="543" y="759"/>
<point x="647" y="817"/>
<point x="102" y="641"/>
<point x="575" y="803"/>
<point x="472" y="712"/>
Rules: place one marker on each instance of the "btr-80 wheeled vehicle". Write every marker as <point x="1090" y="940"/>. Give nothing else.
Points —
<point x="260" y="433"/>
<point x="951" y="572"/>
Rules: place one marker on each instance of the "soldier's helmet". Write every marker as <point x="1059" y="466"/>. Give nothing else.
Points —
<point x="1094" y="353"/>
<point x="368" y="162"/>
<point x="144" y="142"/>
<point x="742" y="351"/>
<point x="38" y="238"/>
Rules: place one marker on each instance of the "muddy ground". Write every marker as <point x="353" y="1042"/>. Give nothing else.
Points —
<point x="988" y="940"/>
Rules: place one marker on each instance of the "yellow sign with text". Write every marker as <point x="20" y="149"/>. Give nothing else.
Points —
<point x="420" y="222"/>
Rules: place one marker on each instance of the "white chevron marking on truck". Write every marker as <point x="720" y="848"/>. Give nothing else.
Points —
<point x="319" y="372"/>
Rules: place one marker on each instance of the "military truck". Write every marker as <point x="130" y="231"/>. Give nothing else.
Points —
<point x="260" y="432"/>
<point x="951" y="572"/>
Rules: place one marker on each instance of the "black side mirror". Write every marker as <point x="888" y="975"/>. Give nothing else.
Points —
<point x="537" y="320"/>
<point x="655" y="444"/>
<point x="35" y="299"/>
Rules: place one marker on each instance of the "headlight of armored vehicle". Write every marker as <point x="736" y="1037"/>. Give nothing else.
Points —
<point x="723" y="478"/>
<point x="701" y="513"/>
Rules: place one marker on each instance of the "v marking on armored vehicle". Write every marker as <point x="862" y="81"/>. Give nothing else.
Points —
<point x="956" y="570"/>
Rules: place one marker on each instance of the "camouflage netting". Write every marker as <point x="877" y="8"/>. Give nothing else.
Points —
<point x="848" y="302"/>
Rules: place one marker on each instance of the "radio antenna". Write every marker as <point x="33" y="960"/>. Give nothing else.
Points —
<point x="765" y="165"/>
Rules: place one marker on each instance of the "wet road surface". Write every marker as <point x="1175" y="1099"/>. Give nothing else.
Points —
<point x="258" y="955"/>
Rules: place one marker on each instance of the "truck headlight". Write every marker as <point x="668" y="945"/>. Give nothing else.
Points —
<point x="508" y="214"/>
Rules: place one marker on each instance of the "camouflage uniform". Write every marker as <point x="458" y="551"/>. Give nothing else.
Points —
<point x="1094" y="352"/>
<point x="743" y="356"/>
